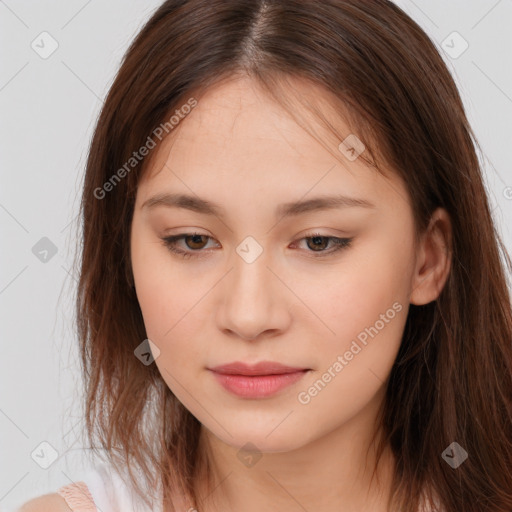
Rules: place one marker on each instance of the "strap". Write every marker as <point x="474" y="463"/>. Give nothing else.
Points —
<point x="78" y="497"/>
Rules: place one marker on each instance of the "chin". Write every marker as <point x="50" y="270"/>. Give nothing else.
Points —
<point x="266" y="437"/>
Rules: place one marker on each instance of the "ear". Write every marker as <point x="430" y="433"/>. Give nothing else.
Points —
<point x="433" y="259"/>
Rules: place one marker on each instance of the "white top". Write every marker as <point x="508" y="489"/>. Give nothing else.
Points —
<point x="109" y="492"/>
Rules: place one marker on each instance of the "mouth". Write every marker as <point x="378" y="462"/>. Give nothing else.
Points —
<point x="261" y="380"/>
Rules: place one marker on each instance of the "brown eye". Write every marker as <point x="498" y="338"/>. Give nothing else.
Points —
<point x="318" y="242"/>
<point x="196" y="242"/>
<point x="324" y="245"/>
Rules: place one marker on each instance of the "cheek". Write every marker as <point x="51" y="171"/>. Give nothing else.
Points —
<point x="165" y="299"/>
<point x="364" y="305"/>
<point x="170" y="313"/>
<point x="351" y="296"/>
<point x="352" y="365"/>
<point x="172" y="324"/>
<point x="172" y="300"/>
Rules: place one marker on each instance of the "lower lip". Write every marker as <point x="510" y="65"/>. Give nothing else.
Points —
<point x="260" y="386"/>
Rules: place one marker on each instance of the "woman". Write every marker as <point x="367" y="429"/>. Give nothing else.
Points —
<point x="342" y="340"/>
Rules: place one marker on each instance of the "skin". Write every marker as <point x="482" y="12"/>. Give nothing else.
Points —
<point x="240" y="149"/>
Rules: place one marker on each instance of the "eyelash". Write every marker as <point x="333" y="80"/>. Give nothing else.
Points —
<point x="170" y="243"/>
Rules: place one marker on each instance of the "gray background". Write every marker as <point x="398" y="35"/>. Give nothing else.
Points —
<point x="49" y="106"/>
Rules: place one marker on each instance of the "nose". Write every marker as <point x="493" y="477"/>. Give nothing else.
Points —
<point x="254" y="302"/>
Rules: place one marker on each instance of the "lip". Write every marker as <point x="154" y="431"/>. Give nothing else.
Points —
<point x="258" y="369"/>
<point x="260" y="380"/>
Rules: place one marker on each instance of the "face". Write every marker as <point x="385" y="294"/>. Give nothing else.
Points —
<point x="322" y="291"/>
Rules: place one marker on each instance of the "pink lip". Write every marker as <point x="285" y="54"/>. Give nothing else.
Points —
<point x="256" y="381"/>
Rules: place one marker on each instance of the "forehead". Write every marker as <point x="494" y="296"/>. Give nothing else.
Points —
<point x="238" y="140"/>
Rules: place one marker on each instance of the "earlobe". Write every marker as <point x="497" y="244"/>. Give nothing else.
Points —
<point x="433" y="260"/>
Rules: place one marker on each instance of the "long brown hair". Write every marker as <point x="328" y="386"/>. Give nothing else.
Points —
<point x="452" y="379"/>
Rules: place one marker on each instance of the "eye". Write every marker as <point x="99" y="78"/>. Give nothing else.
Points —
<point x="192" y="240"/>
<point x="318" y="242"/>
<point x="195" y="242"/>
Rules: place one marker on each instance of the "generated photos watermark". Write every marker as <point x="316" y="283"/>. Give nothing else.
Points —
<point x="143" y="151"/>
<point x="305" y="397"/>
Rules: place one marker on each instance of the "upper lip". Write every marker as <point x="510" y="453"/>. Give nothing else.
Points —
<point x="261" y="368"/>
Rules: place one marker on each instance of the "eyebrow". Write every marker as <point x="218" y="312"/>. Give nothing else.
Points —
<point x="199" y="205"/>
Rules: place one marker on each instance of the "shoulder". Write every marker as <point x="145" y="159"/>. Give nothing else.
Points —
<point x="47" y="503"/>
